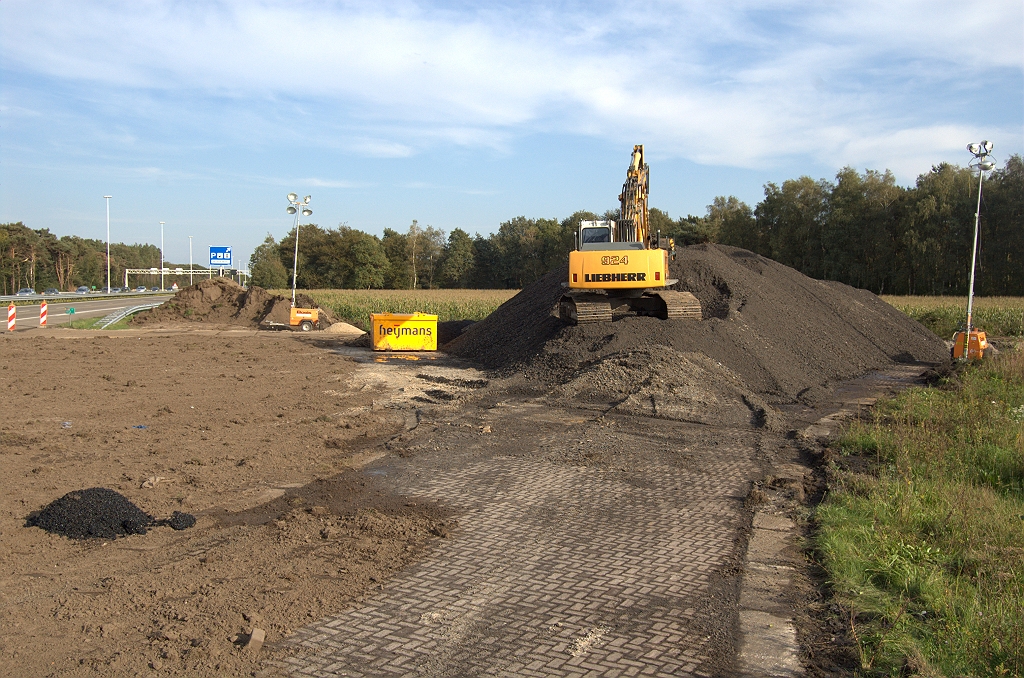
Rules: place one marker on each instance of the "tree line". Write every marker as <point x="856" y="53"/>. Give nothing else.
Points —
<point x="40" y="260"/>
<point x="861" y="229"/>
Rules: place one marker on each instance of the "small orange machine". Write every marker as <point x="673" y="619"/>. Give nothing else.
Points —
<point x="977" y="345"/>
<point x="302" y="319"/>
<point x="404" y="331"/>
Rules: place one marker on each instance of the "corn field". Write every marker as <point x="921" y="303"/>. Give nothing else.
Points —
<point x="355" y="306"/>
<point x="998" y="316"/>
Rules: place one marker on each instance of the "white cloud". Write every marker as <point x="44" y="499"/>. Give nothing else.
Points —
<point x="746" y="84"/>
<point x="323" y="183"/>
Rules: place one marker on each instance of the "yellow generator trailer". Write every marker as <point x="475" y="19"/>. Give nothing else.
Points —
<point x="302" y="319"/>
<point x="618" y="264"/>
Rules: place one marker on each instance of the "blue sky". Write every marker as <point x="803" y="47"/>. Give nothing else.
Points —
<point x="205" y="114"/>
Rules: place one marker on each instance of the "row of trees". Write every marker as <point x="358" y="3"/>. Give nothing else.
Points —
<point x="862" y="229"/>
<point x="39" y="259"/>
<point x="422" y="257"/>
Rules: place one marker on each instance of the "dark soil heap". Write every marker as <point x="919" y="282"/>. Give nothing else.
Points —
<point x="772" y="330"/>
<point x="100" y="513"/>
<point x="223" y="301"/>
<point x="93" y="513"/>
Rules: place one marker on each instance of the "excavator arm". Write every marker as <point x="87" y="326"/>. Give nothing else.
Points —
<point x="633" y="224"/>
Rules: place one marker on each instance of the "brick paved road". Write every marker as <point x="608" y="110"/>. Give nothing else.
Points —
<point x="556" y="569"/>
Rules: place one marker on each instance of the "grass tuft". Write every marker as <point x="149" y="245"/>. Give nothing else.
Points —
<point x="94" y="324"/>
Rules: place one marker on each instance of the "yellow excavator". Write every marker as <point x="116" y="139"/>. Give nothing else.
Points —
<point x="617" y="264"/>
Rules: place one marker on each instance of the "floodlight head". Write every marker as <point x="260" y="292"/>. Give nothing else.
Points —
<point x="306" y="212"/>
<point x="293" y="197"/>
<point x="987" y="145"/>
<point x="291" y="210"/>
<point x="108" y="196"/>
<point x="306" y="199"/>
<point x="974" y="148"/>
<point x="986" y="165"/>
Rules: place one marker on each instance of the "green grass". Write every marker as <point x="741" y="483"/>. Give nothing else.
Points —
<point x="998" y="316"/>
<point x="94" y="324"/>
<point x="925" y="554"/>
<point x="355" y="306"/>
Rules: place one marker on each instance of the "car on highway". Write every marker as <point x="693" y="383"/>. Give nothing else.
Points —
<point x="82" y="290"/>
<point x="51" y="290"/>
<point x="25" y="292"/>
<point x="140" y="288"/>
<point x="154" y="289"/>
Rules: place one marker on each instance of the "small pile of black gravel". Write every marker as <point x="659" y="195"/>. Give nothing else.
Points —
<point x="179" y="521"/>
<point x="100" y="513"/>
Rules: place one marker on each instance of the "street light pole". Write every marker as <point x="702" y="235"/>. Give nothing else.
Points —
<point x="190" y="267"/>
<point x="161" y="256"/>
<point x="297" y="207"/>
<point x="107" y="199"/>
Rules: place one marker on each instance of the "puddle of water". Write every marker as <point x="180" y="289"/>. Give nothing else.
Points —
<point x="365" y="355"/>
<point x="386" y="358"/>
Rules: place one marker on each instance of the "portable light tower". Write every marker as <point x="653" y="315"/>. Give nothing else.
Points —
<point x="971" y="343"/>
<point x="298" y="208"/>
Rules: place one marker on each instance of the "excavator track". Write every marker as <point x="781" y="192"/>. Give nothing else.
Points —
<point x="678" y="305"/>
<point x="585" y="308"/>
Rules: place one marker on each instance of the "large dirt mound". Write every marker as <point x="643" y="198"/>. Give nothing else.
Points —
<point x="223" y="301"/>
<point x="785" y="336"/>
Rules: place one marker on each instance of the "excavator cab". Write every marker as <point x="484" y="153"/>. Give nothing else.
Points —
<point x="621" y="263"/>
<point x="595" y="232"/>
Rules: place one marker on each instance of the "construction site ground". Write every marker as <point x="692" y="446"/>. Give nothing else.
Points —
<point x="402" y="515"/>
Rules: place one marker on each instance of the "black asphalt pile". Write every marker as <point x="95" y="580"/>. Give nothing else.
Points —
<point x="100" y="513"/>
<point x="781" y="335"/>
<point x="223" y="301"/>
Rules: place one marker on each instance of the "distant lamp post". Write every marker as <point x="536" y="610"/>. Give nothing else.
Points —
<point x="190" y="261"/>
<point x="298" y="208"/>
<point x="161" y="256"/>
<point x="107" y="199"/>
<point x="982" y="162"/>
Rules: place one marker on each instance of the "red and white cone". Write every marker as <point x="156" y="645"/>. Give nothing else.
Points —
<point x="11" y="317"/>
<point x="42" y="314"/>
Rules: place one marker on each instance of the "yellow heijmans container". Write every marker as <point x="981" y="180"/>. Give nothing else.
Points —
<point x="404" y="331"/>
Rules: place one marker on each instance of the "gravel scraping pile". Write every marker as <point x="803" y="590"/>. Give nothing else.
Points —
<point x="223" y="301"/>
<point x="100" y="513"/>
<point x="784" y="336"/>
<point x="667" y="384"/>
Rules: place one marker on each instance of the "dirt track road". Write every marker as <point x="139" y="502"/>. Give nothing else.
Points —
<point x="586" y="544"/>
<point x="398" y="517"/>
